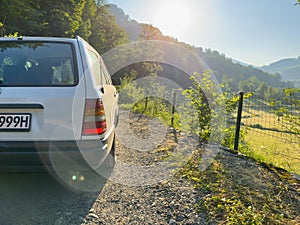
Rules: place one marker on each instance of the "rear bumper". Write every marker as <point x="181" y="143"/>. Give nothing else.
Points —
<point x="37" y="156"/>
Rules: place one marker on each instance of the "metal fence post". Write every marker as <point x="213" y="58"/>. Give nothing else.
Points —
<point x="238" y="122"/>
<point x="173" y="109"/>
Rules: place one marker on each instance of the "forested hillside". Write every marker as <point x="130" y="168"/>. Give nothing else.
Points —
<point x="132" y="27"/>
<point x="289" y="69"/>
<point x="238" y="76"/>
<point x="58" y="18"/>
<point x="95" y="23"/>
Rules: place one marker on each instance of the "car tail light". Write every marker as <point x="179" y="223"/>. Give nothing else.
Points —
<point x="94" y="121"/>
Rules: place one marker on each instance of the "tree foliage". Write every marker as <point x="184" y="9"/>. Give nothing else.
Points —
<point x="62" y="18"/>
<point x="106" y="34"/>
<point x="20" y="16"/>
<point x="200" y="121"/>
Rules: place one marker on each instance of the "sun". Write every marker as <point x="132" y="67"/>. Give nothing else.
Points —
<point x="173" y="17"/>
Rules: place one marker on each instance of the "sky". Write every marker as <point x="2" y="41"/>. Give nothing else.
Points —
<point x="257" y="32"/>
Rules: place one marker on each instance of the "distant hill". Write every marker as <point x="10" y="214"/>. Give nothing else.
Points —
<point x="132" y="27"/>
<point x="242" y="63"/>
<point x="289" y="69"/>
<point x="225" y="69"/>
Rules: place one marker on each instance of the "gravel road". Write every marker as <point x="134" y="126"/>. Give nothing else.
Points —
<point x="27" y="199"/>
<point x="33" y="199"/>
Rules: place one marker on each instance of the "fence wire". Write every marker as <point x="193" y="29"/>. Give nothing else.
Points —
<point x="266" y="118"/>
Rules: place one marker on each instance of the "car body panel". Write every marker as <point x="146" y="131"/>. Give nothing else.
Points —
<point x="57" y="110"/>
<point x="56" y="121"/>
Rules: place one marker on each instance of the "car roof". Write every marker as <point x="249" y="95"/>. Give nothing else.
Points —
<point x="51" y="39"/>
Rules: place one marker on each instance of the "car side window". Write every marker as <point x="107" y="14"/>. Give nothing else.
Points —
<point x="105" y="74"/>
<point x="97" y="69"/>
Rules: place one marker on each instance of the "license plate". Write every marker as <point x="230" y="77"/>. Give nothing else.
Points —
<point x="15" y="121"/>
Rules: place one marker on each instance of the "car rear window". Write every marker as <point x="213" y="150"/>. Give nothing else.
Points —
<point x="24" y="63"/>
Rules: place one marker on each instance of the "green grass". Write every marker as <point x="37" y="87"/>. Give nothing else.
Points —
<point x="267" y="120"/>
<point x="279" y="152"/>
<point x="269" y="142"/>
<point x="269" y="138"/>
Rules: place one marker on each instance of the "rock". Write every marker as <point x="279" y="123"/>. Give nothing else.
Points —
<point x="93" y="216"/>
<point x="172" y="222"/>
<point x="180" y="218"/>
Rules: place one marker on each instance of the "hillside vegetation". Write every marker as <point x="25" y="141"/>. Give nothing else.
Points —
<point x="239" y="77"/>
<point x="68" y="18"/>
<point x="289" y="69"/>
<point x="233" y="77"/>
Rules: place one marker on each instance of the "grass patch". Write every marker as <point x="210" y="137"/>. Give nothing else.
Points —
<point x="236" y="191"/>
<point x="278" y="152"/>
<point x="269" y="137"/>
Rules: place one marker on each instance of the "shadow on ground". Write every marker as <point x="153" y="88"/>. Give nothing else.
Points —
<point x="38" y="198"/>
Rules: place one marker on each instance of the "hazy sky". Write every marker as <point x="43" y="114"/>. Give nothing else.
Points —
<point x="257" y="32"/>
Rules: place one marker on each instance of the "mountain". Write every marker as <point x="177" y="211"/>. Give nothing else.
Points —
<point x="242" y="63"/>
<point x="289" y="69"/>
<point x="132" y="27"/>
<point x="224" y="68"/>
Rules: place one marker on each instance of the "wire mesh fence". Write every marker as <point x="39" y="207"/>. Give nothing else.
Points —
<point x="272" y="130"/>
<point x="268" y="118"/>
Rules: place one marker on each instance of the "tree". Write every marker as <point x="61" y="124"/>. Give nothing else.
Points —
<point x="101" y="2"/>
<point x="261" y="90"/>
<point x="41" y="18"/>
<point x="210" y="115"/>
<point x="62" y="18"/>
<point x="88" y="14"/>
<point x="20" y="16"/>
<point x="244" y="86"/>
<point x="199" y="119"/>
<point x="273" y="93"/>
<point x="106" y="34"/>
<point x="150" y="32"/>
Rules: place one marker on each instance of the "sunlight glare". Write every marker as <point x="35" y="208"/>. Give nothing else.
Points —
<point x="173" y="17"/>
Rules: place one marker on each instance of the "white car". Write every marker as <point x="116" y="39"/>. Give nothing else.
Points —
<point x="58" y="103"/>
